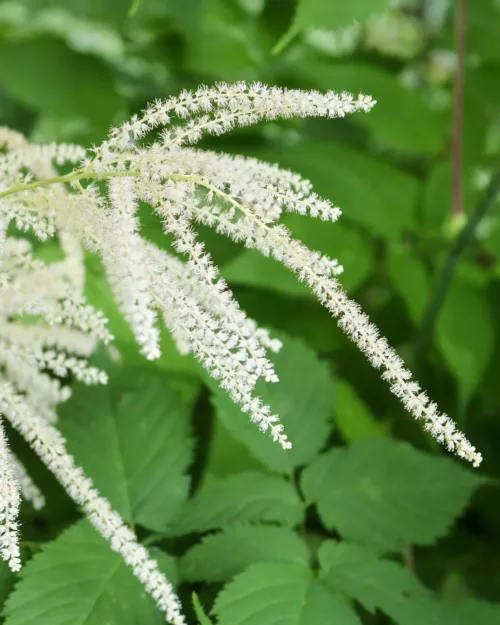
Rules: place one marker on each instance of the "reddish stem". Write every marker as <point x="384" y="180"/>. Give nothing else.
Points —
<point x="458" y="109"/>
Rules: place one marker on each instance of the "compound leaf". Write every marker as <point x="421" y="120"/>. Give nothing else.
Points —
<point x="384" y="493"/>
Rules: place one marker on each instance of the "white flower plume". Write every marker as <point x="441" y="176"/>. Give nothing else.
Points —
<point x="242" y="198"/>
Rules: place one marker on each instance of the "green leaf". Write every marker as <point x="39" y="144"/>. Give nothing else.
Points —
<point x="385" y="585"/>
<point x="78" y="579"/>
<point x="218" y="41"/>
<point x="437" y="195"/>
<point x="222" y="556"/>
<point x="199" y="611"/>
<point x="352" y="416"/>
<point x="466" y="336"/>
<point x="371" y="193"/>
<point x="288" y="594"/>
<point x="221" y="50"/>
<point x="337" y="240"/>
<point x="410" y="280"/>
<point x="401" y="119"/>
<point x="47" y="76"/>
<point x="7" y="579"/>
<point x="431" y="611"/>
<point x="483" y="22"/>
<point x="228" y="455"/>
<point x="362" y="575"/>
<point x="251" y="268"/>
<point x="302" y="398"/>
<point x="240" y="498"/>
<point x="98" y="293"/>
<point x="328" y="16"/>
<point x="133" y="7"/>
<point x="386" y="494"/>
<point x="111" y="11"/>
<point x="136" y="449"/>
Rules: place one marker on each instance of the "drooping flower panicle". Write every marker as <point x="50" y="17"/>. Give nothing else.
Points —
<point x="242" y="198"/>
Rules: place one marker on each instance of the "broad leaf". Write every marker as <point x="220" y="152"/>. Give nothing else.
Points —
<point x="483" y="22"/>
<point x="375" y="583"/>
<point x="240" y="498"/>
<point x="328" y="16"/>
<point x="288" y="594"/>
<point x="220" y="47"/>
<point x="384" y="493"/>
<point x="401" y="119"/>
<point x="221" y="556"/>
<point x="466" y="336"/>
<point x="302" y="398"/>
<point x="135" y="447"/>
<point x="78" y="579"/>
<point x="112" y="11"/>
<point x="437" y="204"/>
<point x="432" y="611"/>
<point x="371" y="193"/>
<point x="7" y="580"/>
<point x="45" y="75"/>
<point x="251" y="268"/>
<point x="410" y="280"/>
<point x="352" y="416"/>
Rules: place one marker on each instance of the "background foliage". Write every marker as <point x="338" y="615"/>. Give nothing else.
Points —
<point x="365" y="520"/>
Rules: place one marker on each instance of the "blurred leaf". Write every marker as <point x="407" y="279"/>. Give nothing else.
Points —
<point x="219" y="44"/>
<point x="133" y="7"/>
<point x="409" y="277"/>
<point x="112" y="11"/>
<point x="287" y="314"/>
<point x="352" y="416"/>
<point x="227" y="454"/>
<point x="79" y="579"/>
<point x="288" y="594"/>
<point x="302" y="398"/>
<point x="337" y="240"/>
<point x="251" y="268"/>
<point x="328" y="16"/>
<point x="430" y="611"/>
<point x="370" y="192"/>
<point x="137" y="451"/>
<point x="483" y="24"/>
<point x="220" y="50"/>
<point x="221" y="556"/>
<point x="401" y="119"/>
<point x="384" y="493"/>
<point x="465" y="334"/>
<point x="376" y="583"/>
<point x="240" y="498"/>
<point x="395" y="33"/>
<point x="437" y="195"/>
<point x="7" y="580"/>
<point x="45" y="75"/>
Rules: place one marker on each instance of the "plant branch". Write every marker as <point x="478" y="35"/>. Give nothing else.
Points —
<point x="451" y="263"/>
<point x="71" y="177"/>
<point x="458" y="110"/>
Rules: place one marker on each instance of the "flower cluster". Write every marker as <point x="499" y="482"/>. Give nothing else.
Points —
<point x="242" y="198"/>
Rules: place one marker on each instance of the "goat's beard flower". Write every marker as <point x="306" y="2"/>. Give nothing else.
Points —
<point x="242" y="198"/>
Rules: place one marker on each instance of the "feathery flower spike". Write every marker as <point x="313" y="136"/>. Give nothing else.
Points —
<point x="239" y="197"/>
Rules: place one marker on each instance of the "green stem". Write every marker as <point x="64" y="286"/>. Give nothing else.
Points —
<point x="71" y="177"/>
<point x="451" y="264"/>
